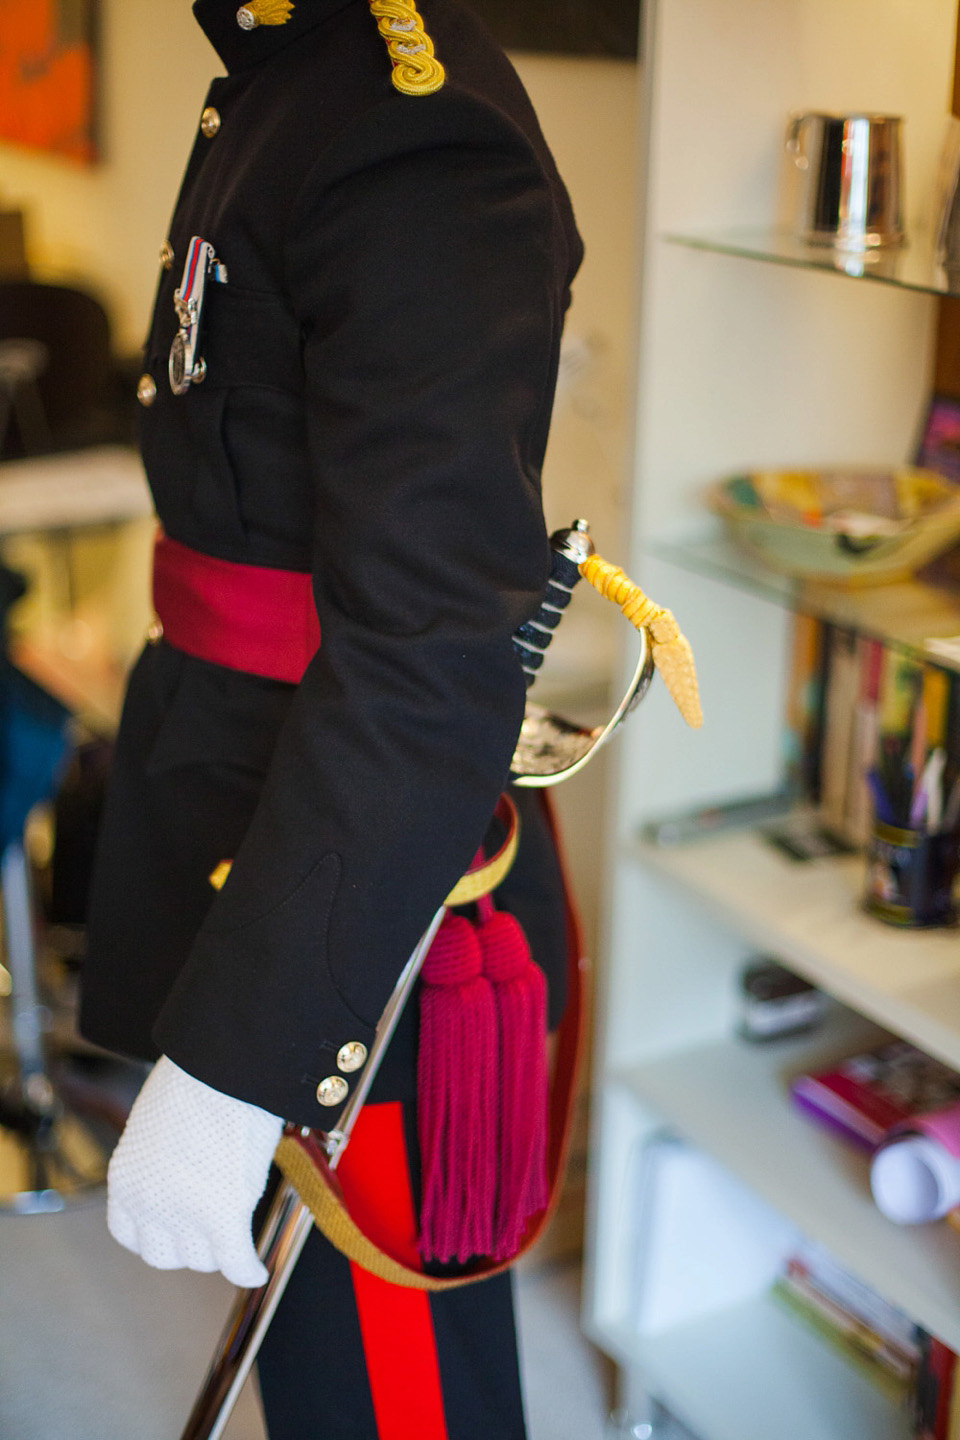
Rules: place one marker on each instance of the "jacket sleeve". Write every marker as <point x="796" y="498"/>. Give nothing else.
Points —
<point x="424" y="277"/>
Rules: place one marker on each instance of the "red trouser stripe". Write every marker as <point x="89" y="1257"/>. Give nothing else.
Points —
<point x="396" y="1324"/>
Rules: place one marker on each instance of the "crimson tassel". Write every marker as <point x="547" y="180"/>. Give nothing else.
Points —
<point x="457" y="1097"/>
<point x="520" y="992"/>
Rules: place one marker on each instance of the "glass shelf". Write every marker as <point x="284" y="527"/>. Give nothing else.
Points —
<point x="911" y="267"/>
<point x="915" y="614"/>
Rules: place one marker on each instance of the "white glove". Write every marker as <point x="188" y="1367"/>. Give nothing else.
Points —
<point x="187" y="1174"/>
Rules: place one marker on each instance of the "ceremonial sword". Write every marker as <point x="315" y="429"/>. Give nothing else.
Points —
<point x="549" y="749"/>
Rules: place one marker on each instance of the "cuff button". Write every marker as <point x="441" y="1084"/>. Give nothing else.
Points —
<point x="351" y="1057"/>
<point x="333" y="1091"/>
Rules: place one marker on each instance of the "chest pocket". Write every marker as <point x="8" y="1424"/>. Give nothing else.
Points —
<point x="217" y="455"/>
<point x="248" y="338"/>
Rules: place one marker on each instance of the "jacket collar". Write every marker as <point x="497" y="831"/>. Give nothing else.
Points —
<point x="239" y="49"/>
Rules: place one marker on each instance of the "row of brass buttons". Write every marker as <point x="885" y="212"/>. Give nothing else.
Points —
<point x="210" y="122"/>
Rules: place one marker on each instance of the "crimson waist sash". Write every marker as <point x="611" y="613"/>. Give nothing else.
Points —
<point x="246" y="617"/>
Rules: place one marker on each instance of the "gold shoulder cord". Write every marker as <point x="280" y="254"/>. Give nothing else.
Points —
<point x="416" y="69"/>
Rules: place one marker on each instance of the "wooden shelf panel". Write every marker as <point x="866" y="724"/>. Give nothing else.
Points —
<point x="809" y="915"/>
<point x="731" y="1100"/>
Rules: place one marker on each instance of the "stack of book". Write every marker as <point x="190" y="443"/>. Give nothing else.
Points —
<point x="913" y="1368"/>
<point x="936" y="1394"/>
<point x="872" y="732"/>
<point x="878" y="1338"/>
<point x="864" y="1096"/>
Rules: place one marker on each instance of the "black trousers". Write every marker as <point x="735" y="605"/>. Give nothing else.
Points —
<point x="180" y="802"/>
<point x="350" y="1357"/>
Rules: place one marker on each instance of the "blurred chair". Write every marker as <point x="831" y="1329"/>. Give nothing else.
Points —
<point x="22" y="362"/>
<point x="56" y="370"/>
<point x="48" y="1153"/>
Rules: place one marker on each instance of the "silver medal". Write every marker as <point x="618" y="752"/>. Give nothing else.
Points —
<point x="179" y="376"/>
<point x="186" y="367"/>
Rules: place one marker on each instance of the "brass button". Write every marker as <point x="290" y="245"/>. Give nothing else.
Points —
<point x="155" y="633"/>
<point x="210" y="122"/>
<point x="352" y="1056"/>
<point x="146" y="390"/>
<point x="246" y="18"/>
<point x="167" y="256"/>
<point x="333" y="1091"/>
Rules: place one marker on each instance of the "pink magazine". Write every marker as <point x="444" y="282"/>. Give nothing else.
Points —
<point x="865" y="1096"/>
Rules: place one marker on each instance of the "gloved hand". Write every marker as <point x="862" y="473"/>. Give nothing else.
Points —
<point x="187" y="1174"/>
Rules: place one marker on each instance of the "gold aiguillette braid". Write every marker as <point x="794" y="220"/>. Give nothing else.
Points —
<point x="416" y="69"/>
<point x="672" y="654"/>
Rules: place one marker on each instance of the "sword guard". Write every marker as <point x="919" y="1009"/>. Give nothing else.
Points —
<point x="550" y="748"/>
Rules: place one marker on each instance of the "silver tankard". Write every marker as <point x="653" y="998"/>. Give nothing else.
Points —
<point x="851" y="188"/>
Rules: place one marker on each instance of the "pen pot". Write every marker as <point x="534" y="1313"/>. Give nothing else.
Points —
<point x="911" y="874"/>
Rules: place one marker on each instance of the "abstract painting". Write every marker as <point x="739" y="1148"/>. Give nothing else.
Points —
<point x="47" y="76"/>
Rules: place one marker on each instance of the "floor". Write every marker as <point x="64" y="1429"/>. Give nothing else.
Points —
<point x="94" y="1345"/>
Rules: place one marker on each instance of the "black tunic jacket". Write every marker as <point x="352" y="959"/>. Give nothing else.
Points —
<point x="380" y="372"/>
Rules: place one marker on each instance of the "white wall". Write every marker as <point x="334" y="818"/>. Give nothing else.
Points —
<point x="588" y="112"/>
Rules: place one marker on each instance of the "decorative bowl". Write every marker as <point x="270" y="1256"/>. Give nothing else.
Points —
<point x="846" y="525"/>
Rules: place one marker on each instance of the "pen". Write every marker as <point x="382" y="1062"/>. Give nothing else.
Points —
<point x="881" y="801"/>
<point x="952" y="812"/>
<point x="933" y="787"/>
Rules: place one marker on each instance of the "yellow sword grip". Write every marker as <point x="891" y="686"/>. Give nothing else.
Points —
<point x="671" y="650"/>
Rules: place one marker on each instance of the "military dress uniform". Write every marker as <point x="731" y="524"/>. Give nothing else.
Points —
<point x="365" y="401"/>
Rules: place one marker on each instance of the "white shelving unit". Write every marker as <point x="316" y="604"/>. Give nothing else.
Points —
<point x="742" y="364"/>
<point x="809" y="914"/>
<point x="731" y="1100"/>
<point x="749" y="1372"/>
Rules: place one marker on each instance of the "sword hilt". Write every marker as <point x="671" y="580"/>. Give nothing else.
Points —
<point x="569" y="549"/>
<point x="550" y="748"/>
